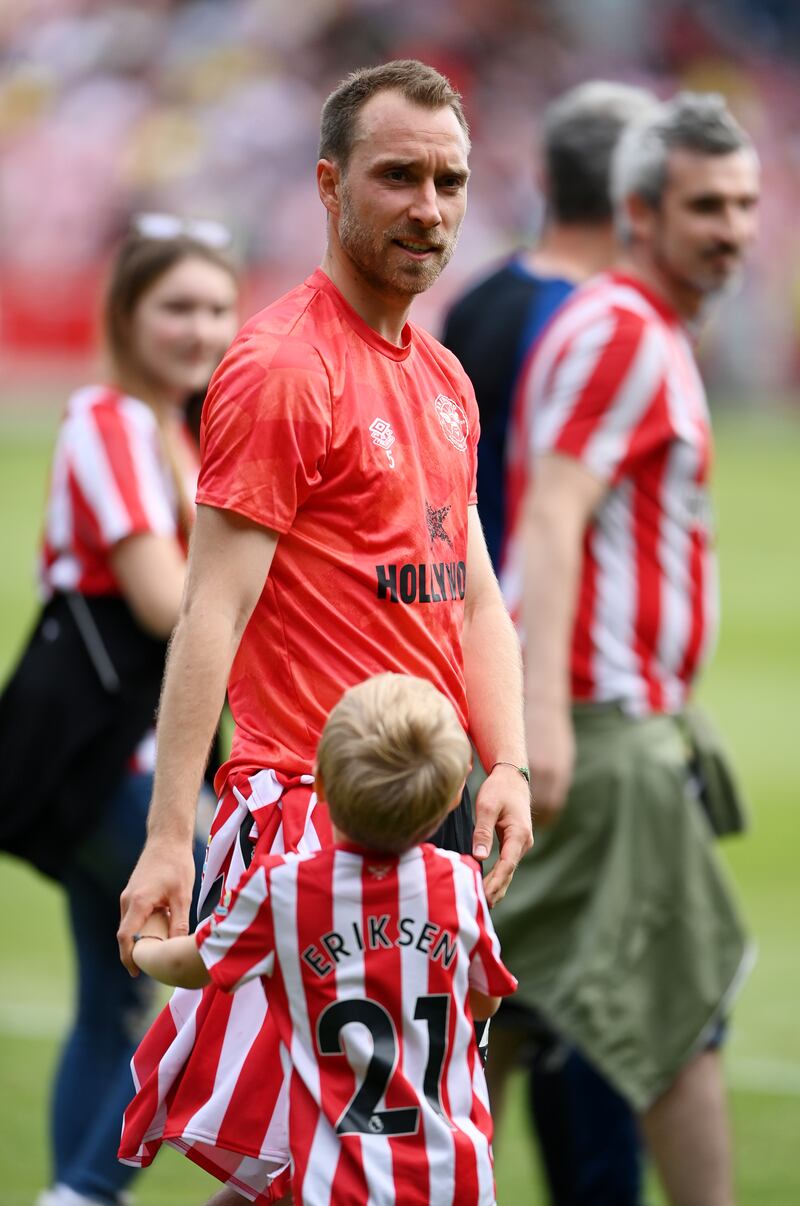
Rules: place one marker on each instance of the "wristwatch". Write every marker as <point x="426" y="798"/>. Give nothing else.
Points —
<point x="521" y="770"/>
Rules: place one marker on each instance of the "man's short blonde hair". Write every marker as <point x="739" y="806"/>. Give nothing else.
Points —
<point x="392" y="759"/>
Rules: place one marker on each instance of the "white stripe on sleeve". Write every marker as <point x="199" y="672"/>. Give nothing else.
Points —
<point x="96" y="479"/>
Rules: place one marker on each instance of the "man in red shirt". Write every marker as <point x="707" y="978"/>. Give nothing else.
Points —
<point x="337" y="537"/>
<point x="622" y="929"/>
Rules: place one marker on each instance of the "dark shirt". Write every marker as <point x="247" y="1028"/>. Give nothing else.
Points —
<point x="491" y="329"/>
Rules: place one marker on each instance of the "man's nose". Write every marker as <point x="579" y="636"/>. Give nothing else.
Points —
<point x="424" y="207"/>
<point x="738" y="225"/>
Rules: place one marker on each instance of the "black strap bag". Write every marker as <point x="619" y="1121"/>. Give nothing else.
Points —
<point x="80" y="700"/>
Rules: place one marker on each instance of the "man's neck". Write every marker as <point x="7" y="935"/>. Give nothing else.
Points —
<point x="681" y="297"/>
<point x="572" y="252"/>
<point x="386" y="314"/>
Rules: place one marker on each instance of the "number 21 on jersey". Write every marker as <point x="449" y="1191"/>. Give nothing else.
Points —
<point x="361" y="1116"/>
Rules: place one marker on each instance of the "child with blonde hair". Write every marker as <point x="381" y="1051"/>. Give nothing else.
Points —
<point x="377" y="956"/>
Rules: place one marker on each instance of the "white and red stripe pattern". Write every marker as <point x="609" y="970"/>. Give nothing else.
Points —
<point x="208" y="1076"/>
<point x="110" y="479"/>
<point x="613" y="383"/>
<point x="371" y="959"/>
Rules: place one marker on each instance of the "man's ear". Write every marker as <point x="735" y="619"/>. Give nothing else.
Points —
<point x="329" y="179"/>
<point x="640" y="216"/>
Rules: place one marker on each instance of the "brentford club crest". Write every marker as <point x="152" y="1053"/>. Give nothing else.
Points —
<point x="453" y="420"/>
<point x="378" y="870"/>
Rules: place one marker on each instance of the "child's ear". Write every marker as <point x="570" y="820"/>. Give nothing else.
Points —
<point x="319" y="785"/>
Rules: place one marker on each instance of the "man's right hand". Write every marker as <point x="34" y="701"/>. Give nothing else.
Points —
<point x="163" y="878"/>
<point x="551" y="753"/>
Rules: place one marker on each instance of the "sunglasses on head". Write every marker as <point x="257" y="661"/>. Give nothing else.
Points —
<point x="170" y="226"/>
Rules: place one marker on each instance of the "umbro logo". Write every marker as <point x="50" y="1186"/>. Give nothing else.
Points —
<point x="383" y="437"/>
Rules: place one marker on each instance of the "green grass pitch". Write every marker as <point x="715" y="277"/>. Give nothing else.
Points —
<point x="752" y="688"/>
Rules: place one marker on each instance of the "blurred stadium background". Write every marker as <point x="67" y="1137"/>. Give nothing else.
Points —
<point x="210" y="108"/>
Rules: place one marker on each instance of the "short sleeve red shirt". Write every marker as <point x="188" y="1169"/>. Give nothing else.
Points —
<point x="362" y="455"/>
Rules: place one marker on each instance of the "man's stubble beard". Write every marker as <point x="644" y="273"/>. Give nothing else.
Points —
<point x="705" y="287"/>
<point x="369" y="252"/>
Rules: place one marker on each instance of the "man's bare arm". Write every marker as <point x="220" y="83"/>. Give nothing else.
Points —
<point x="228" y="566"/>
<point x="493" y="674"/>
<point x="556" y="510"/>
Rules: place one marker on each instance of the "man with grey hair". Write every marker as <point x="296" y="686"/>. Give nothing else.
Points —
<point x="623" y="931"/>
<point x="587" y="1133"/>
<point x="494" y="325"/>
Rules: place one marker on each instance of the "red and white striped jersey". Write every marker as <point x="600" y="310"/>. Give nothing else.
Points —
<point x="110" y="479"/>
<point x="614" y="384"/>
<point x="368" y="962"/>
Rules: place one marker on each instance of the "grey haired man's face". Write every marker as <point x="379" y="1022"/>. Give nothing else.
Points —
<point x="707" y="218"/>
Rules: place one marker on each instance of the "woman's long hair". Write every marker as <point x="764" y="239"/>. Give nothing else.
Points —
<point x="139" y="263"/>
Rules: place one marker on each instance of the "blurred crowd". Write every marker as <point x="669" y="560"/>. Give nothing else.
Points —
<point x="211" y="108"/>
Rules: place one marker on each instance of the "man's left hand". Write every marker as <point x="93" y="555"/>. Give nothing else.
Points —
<point x="503" y="806"/>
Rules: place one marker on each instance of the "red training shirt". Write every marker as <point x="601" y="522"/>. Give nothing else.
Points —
<point x="362" y="456"/>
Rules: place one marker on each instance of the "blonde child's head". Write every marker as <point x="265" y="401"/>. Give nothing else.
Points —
<point x="391" y="762"/>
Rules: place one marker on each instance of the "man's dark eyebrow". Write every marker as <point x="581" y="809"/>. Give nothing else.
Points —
<point x="393" y="161"/>
<point x="462" y="174"/>
<point x="713" y="197"/>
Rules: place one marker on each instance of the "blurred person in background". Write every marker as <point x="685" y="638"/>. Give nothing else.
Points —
<point x="76" y="719"/>
<point x="336" y="537"/>
<point x="587" y="1132"/>
<point x="622" y="929"/>
<point x="494" y="325"/>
